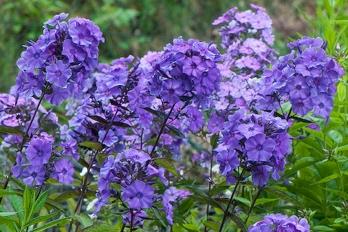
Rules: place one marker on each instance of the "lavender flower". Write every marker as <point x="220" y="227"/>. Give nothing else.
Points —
<point x="279" y="222"/>
<point x="247" y="39"/>
<point x="258" y="148"/>
<point x="185" y="69"/>
<point x="138" y="195"/>
<point x="39" y="151"/>
<point x="58" y="73"/>
<point x="60" y="62"/>
<point x="306" y="77"/>
<point x="33" y="175"/>
<point x="63" y="171"/>
<point x="256" y="143"/>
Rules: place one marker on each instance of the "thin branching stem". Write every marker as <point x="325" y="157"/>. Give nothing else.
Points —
<point x="161" y="131"/>
<point x="226" y="212"/>
<point x="253" y="204"/>
<point x="210" y="181"/>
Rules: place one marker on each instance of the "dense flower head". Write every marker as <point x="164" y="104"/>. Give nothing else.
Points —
<point x="135" y="173"/>
<point x="236" y="24"/>
<point x="306" y="77"/>
<point x="111" y="79"/>
<point x="280" y="223"/>
<point x="60" y="62"/>
<point x="30" y="165"/>
<point x="258" y="143"/>
<point x="247" y="39"/>
<point x="186" y="69"/>
<point x="40" y="160"/>
<point x="17" y="112"/>
<point x="131" y="169"/>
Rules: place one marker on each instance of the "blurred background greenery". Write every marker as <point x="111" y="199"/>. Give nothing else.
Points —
<point x="133" y="26"/>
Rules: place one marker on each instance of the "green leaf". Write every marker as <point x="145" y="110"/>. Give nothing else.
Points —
<point x="300" y="164"/>
<point x="6" y="214"/>
<point x="7" y="192"/>
<point x="91" y="145"/>
<point x="17" y="204"/>
<point x="159" y="217"/>
<point x="58" y="222"/>
<point x="28" y="201"/>
<point x="167" y="164"/>
<point x="40" y="202"/>
<point x="341" y="91"/>
<point x="43" y="218"/>
<point x="342" y="148"/>
<point x="191" y="227"/>
<point x="327" y="179"/>
<point x="322" y="228"/>
<point x="336" y="136"/>
<point x="121" y="124"/>
<point x="212" y="225"/>
<point x="85" y="220"/>
<point x="262" y="201"/>
<point x="155" y="112"/>
<point x="102" y="227"/>
<point x="66" y="195"/>
<point x="175" y="131"/>
<point x="243" y="200"/>
<point x="214" y="140"/>
<point x="10" y="130"/>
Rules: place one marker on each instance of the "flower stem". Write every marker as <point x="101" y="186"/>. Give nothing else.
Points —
<point x="161" y="131"/>
<point x="253" y="204"/>
<point x="131" y="222"/>
<point x="289" y="114"/>
<point x="230" y="201"/>
<point x="209" y="188"/>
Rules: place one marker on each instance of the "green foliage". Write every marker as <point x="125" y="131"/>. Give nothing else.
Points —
<point x="29" y="210"/>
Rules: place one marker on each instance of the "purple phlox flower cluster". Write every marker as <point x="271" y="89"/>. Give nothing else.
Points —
<point x="39" y="162"/>
<point x="111" y="79"/>
<point x="30" y="166"/>
<point x="279" y="222"/>
<point x="170" y="197"/>
<point x="237" y="90"/>
<point x="60" y="62"/>
<point x="256" y="143"/>
<point x="247" y="40"/>
<point x="133" y="171"/>
<point x="186" y="69"/>
<point x="306" y="77"/>
<point x="17" y="112"/>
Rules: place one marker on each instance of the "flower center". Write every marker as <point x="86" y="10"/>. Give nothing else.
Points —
<point x="139" y="195"/>
<point x="259" y="147"/>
